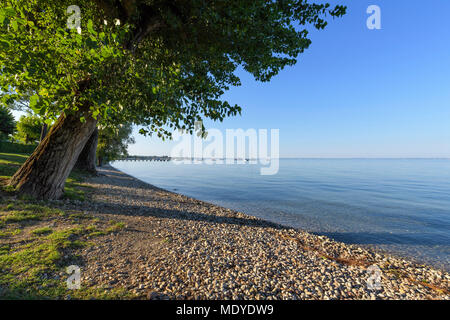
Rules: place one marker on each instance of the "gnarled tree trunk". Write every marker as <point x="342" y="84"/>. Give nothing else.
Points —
<point x="44" y="173"/>
<point x="86" y="159"/>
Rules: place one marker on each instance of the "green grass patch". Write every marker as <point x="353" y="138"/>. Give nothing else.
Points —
<point x="19" y="216"/>
<point x="93" y="231"/>
<point x="9" y="163"/>
<point x="80" y="216"/>
<point x="42" y="231"/>
<point x="6" y="146"/>
<point x="72" y="192"/>
<point x="22" y="211"/>
<point x="116" y="226"/>
<point x="74" y="188"/>
<point x="33" y="264"/>
<point x="25" y="268"/>
<point x="31" y="270"/>
<point x="10" y="232"/>
<point x="12" y="158"/>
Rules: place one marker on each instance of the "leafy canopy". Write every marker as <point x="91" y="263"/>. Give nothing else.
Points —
<point x="166" y="65"/>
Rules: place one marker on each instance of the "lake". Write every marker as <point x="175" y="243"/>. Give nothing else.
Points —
<point x="398" y="205"/>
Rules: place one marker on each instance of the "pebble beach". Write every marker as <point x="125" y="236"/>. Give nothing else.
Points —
<point x="176" y="247"/>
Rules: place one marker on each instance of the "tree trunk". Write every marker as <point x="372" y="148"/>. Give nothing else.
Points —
<point x="86" y="159"/>
<point x="44" y="173"/>
<point x="100" y="161"/>
<point x="43" y="132"/>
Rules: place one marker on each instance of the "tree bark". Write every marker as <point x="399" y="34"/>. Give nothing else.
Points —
<point x="44" y="173"/>
<point x="43" y="132"/>
<point x="86" y="159"/>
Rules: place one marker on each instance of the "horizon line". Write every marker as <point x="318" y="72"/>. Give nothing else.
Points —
<point x="299" y="158"/>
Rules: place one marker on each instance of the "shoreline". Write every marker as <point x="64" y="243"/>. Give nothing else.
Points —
<point x="177" y="247"/>
<point x="414" y="257"/>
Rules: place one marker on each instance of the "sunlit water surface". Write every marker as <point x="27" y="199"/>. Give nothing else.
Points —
<point x="398" y="205"/>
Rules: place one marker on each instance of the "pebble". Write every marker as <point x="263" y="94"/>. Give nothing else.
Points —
<point x="177" y="247"/>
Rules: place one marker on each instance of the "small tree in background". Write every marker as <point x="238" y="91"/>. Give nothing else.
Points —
<point x="29" y="129"/>
<point x="113" y="143"/>
<point x="7" y="123"/>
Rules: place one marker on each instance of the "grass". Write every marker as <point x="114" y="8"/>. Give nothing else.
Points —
<point x="6" y="146"/>
<point x="42" y="231"/>
<point x="116" y="226"/>
<point x="32" y="264"/>
<point x="10" y="232"/>
<point x="34" y="270"/>
<point x="38" y="241"/>
<point x="74" y="188"/>
<point x="9" y="163"/>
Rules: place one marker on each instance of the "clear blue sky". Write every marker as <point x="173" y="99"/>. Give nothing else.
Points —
<point x="356" y="92"/>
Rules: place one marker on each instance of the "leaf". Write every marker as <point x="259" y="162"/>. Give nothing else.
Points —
<point x="4" y="44"/>
<point x="43" y="92"/>
<point x="14" y="25"/>
<point x="2" y="16"/>
<point x="34" y="101"/>
<point x="90" y="27"/>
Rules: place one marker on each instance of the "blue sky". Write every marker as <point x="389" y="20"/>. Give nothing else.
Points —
<point x="355" y="92"/>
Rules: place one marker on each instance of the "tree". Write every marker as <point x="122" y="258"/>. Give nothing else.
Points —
<point x="113" y="143"/>
<point x="29" y="128"/>
<point x="106" y="144"/>
<point x="159" y="64"/>
<point x="7" y="123"/>
<point x="87" y="157"/>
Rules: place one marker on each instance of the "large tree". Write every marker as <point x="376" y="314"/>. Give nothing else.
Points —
<point x="87" y="158"/>
<point x="105" y="144"/>
<point x="161" y="64"/>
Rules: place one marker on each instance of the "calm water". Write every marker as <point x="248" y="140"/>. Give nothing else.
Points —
<point x="401" y="205"/>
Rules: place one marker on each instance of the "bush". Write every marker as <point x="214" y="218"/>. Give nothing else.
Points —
<point x="10" y="147"/>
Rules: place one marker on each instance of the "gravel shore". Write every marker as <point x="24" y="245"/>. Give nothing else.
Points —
<point x="176" y="247"/>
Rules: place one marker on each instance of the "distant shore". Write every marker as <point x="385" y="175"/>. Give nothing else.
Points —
<point x="176" y="247"/>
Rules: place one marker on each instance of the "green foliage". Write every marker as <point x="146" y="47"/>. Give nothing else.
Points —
<point x="29" y="129"/>
<point x="165" y="66"/>
<point x="113" y="142"/>
<point x="7" y="123"/>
